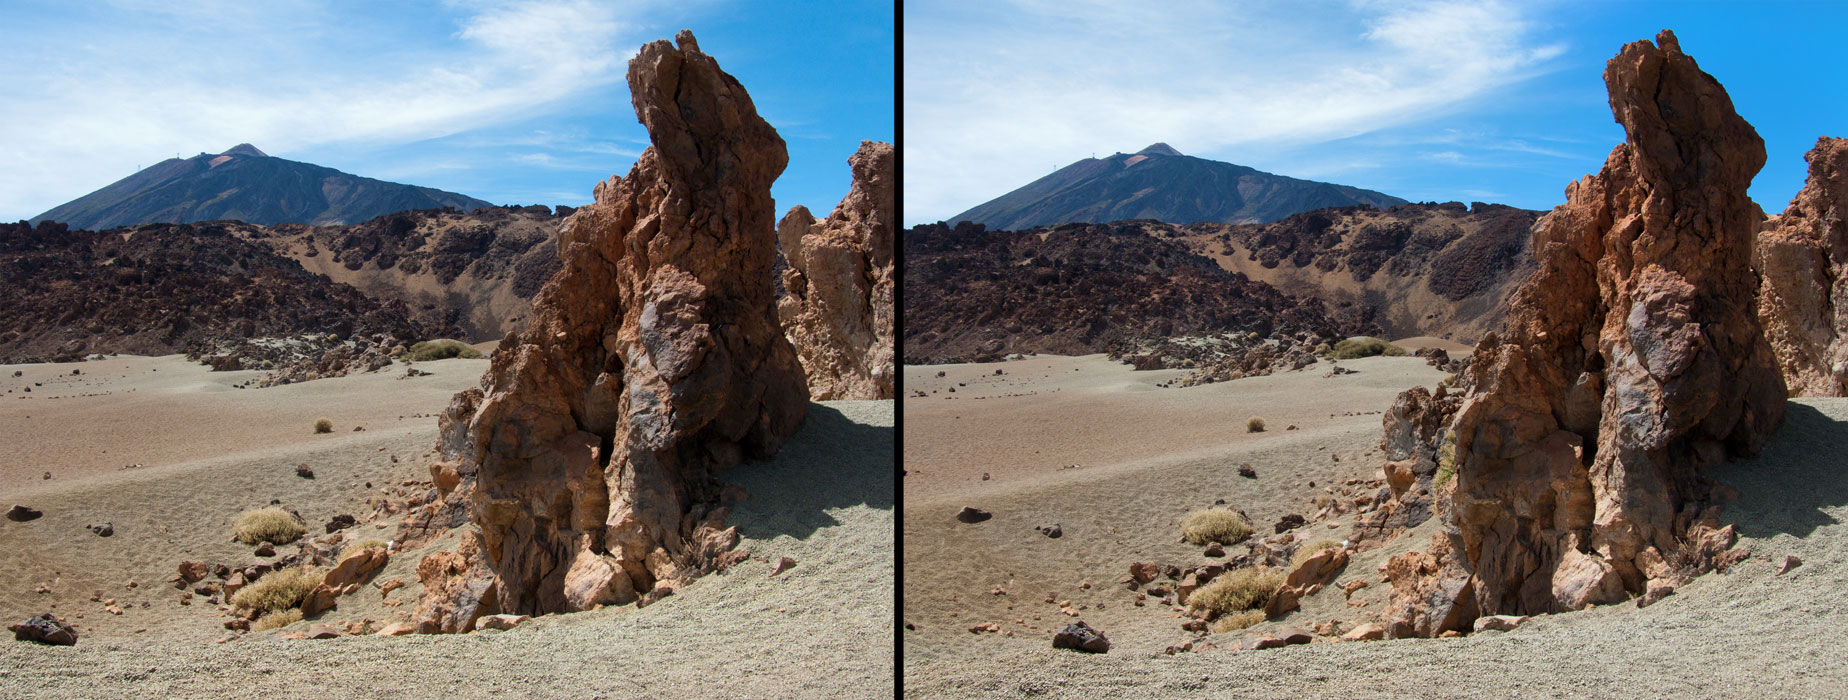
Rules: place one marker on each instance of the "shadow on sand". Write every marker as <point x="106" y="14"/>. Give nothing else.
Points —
<point x="1789" y="488"/>
<point x="832" y="462"/>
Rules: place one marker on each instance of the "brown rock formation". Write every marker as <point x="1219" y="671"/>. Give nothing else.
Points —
<point x="1630" y="360"/>
<point x="838" y="312"/>
<point x="1803" y="298"/>
<point x="653" y="358"/>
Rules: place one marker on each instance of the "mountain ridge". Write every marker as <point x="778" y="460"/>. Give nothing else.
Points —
<point x="1161" y="183"/>
<point x="245" y="184"/>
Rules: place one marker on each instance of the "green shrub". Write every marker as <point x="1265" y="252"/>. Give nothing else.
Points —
<point x="278" y="590"/>
<point x="1215" y="525"/>
<point x="1254" y="424"/>
<point x="1308" y="550"/>
<point x="440" y="350"/>
<point x="272" y="525"/>
<point x="323" y="425"/>
<point x="280" y="618"/>
<point x="1237" y="591"/>
<point x="1363" y="346"/>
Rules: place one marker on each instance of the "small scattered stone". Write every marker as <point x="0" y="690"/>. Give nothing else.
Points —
<point x="782" y="565"/>
<point x="1365" y="633"/>
<point x="1790" y="562"/>
<point x="1499" y="623"/>
<point x="103" y="529"/>
<point x="1054" y="531"/>
<point x="1246" y="471"/>
<point x="1080" y="637"/>
<point x="972" y="515"/>
<point x="1215" y="550"/>
<point x="500" y="622"/>
<point x="45" y="629"/>
<point x="20" y="514"/>
<point x="303" y="471"/>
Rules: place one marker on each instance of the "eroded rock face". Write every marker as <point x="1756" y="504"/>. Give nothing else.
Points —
<point x="838" y="313"/>
<point x="1803" y="298"/>
<point x="1630" y="360"/>
<point x="654" y="357"/>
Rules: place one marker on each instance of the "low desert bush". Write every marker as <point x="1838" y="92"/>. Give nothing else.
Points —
<point x="280" y="618"/>
<point x="272" y="525"/>
<point x="1363" y="346"/>
<point x="1232" y="622"/>
<point x="323" y="425"/>
<point x="361" y="546"/>
<point x="1215" y="525"/>
<point x="1254" y="424"/>
<point x="1308" y="550"/>
<point x="278" y="590"/>
<point x="1237" y="591"/>
<point x="440" y="350"/>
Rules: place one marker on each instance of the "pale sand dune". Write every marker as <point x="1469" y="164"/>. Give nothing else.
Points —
<point x="1748" y="633"/>
<point x="821" y="629"/>
<point x="156" y="411"/>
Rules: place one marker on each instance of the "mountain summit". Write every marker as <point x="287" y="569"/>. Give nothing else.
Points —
<point x="248" y="185"/>
<point x="1160" y="183"/>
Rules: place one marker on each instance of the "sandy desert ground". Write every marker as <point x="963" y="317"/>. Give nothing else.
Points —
<point x="208" y="451"/>
<point x="1145" y="456"/>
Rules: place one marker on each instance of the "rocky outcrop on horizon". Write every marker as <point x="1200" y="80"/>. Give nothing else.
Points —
<point x="1431" y="269"/>
<point x="654" y="357"/>
<point x="973" y="295"/>
<point x="1802" y="256"/>
<point x="837" y="309"/>
<point x="1630" y="360"/>
<point x="476" y="272"/>
<point x="206" y="289"/>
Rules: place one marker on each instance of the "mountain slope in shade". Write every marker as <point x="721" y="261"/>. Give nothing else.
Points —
<point x="245" y="184"/>
<point x="1160" y="183"/>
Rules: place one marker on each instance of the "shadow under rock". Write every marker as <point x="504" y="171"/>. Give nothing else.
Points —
<point x="831" y="462"/>
<point x="1801" y="472"/>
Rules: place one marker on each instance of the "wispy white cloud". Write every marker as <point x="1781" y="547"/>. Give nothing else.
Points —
<point x="86" y="107"/>
<point x="997" y="94"/>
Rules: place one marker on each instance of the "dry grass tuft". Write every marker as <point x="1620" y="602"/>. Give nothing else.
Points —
<point x="1254" y="424"/>
<point x="1215" y="525"/>
<point x="1232" y="622"/>
<point x="280" y="618"/>
<point x="272" y="525"/>
<point x="279" y="590"/>
<point x="1238" y="591"/>
<point x="323" y="425"/>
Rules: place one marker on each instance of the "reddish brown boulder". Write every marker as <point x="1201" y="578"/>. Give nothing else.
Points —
<point x="653" y="358"/>
<point x="1305" y="578"/>
<point x="1632" y="359"/>
<point x="838" y="310"/>
<point x="1803" y="257"/>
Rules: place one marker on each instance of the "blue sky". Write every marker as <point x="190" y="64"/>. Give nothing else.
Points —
<point x="512" y="101"/>
<point x="1471" y="101"/>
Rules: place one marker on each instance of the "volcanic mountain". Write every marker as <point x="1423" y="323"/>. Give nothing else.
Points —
<point x="247" y="185"/>
<point x="1161" y="184"/>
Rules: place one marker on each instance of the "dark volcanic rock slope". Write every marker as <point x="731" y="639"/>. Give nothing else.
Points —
<point x="477" y="271"/>
<point x="1161" y="184"/>
<point x="167" y="288"/>
<point x="972" y="294"/>
<point x="1421" y="269"/>
<point x="247" y="185"/>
